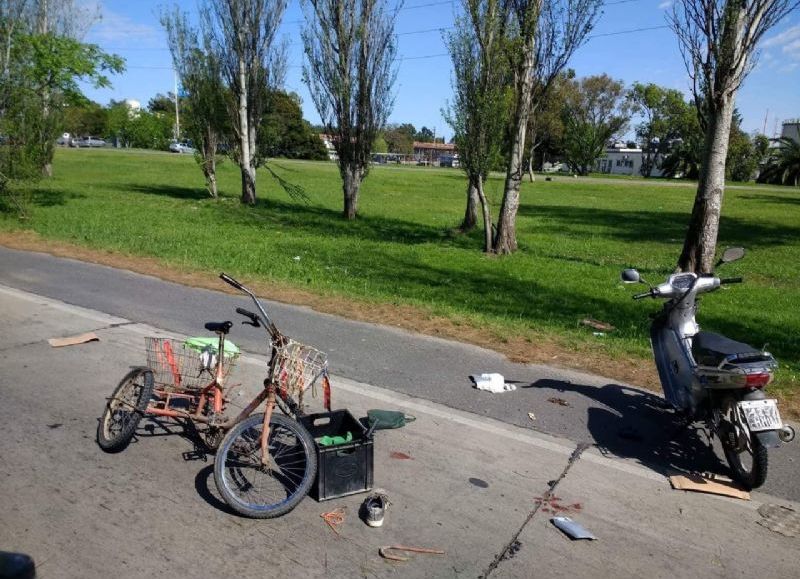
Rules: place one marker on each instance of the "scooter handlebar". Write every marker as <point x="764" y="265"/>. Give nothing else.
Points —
<point x="730" y="280"/>
<point x="647" y="294"/>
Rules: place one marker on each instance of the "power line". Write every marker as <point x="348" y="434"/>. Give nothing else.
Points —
<point x="628" y="31"/>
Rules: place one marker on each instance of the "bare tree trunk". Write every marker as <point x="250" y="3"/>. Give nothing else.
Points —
<point x="471" y="213"/>
<point x="351" y="183"/>
<point x="487" y="218"/>
<point x="531" y="176"/>
<point x="245" y="155"/>
<point x="701" y="238"/>
<point x="42" y="28"/>
<point x="506" y="240"/>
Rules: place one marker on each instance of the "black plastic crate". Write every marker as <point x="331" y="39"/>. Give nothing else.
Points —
<point x="344" y="469"/>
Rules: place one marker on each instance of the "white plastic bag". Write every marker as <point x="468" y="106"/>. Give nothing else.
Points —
<point x="494" y="383"/>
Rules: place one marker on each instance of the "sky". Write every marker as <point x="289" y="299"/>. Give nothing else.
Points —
<point x="630" y="42"/>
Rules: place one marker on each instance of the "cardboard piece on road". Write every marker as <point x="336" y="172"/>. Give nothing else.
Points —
<point x="73" y="340"/>
<point x="706" y="485"/>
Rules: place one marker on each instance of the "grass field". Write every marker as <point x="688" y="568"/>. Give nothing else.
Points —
<point x="574" y="235"/>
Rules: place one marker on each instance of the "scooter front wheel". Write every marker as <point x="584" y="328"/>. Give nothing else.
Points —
<point x="746" y="455"/>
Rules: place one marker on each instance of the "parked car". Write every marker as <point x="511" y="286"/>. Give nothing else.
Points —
<point x="88" y="142"/>
<point x="181" y="147"/>
<point x="64" y="140"/>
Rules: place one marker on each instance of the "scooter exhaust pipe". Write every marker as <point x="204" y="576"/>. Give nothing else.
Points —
<point x="786" y="434"/>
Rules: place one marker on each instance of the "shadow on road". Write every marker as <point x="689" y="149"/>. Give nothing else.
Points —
<point x="636" y="424"/>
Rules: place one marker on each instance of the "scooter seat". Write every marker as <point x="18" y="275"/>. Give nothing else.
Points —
<point x="711" y="349"/>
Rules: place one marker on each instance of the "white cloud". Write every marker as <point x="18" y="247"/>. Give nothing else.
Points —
<point x="665" y="4"/>
<point x="787" y="41"/>
<point x="115" y="28"/>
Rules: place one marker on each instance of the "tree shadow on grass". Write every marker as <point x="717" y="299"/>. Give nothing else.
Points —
<point x="649" y="226"/>
<point x="176" y="192"/>
<point x="779" y="199"/>
<point x="315" y="219"/>
<point x="43" y="197"/>
<point x="636" y="424"/>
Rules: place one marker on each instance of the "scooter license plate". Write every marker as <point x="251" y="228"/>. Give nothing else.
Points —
<point x="761" y="414"/>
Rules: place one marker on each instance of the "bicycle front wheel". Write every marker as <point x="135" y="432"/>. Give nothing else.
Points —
<point x="265" y="491"/>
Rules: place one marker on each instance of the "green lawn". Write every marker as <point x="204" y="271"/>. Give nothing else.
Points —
<point x="574" y="239"/>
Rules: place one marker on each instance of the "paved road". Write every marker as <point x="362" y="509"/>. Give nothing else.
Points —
<point x="473" y="487"/>
<point x="620" y="420"/>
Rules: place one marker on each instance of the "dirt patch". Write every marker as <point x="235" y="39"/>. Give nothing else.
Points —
<point x="521" y="349"/>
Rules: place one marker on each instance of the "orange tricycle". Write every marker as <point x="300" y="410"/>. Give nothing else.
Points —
<point x="265" y="462"/>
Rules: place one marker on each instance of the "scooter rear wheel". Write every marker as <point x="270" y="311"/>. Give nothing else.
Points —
<point x="746" y="455"/>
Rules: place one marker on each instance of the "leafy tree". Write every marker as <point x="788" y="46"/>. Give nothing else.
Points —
<point x="595" y="111"/>
<point x="162" y="103"/>
<point x="661" y="109"/>
<point x="541" y="38"/>
<point x="783" y="164"/>
<point x="284" y="132"/>
<point x="206" y="120"/>
<point x="252" y="63"/>
<point x="425" y="135"/>
<point x="478" y="111"/>
<point x="546" y="127"/>
<point x="138" y="128"/>
<point x="400" y="138"/>
<point x="718" y="41"/>
<point x="350" y="50"/>
<point x="42" y="67"/>
<point x="87" y="118"/>
<point x="742" y="160"/>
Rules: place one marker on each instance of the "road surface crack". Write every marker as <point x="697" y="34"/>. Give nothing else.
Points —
<point x="512" y="544"/>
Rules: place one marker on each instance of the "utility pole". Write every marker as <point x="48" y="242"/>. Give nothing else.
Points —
<point x="177" y="117"/>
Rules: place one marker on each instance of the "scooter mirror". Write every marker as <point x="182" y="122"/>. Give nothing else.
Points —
<point x="732" y="254"/>
<point x="630" y="276"/>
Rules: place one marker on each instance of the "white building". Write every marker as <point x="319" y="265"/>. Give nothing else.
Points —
<point x="791" y="130"/>
<point x="621" y="160"/>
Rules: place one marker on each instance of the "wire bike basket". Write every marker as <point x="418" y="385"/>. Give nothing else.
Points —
<point x="297" y="368"/>
<point x="177" y="366"/>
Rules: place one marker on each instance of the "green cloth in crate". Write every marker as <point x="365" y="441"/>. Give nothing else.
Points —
<point x="335" y="440"/>
<point x="205" y="343"/>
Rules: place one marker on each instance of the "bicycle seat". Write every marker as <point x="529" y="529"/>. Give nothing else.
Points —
<point x="711" y="349"/>
<point x="219" y="327"/>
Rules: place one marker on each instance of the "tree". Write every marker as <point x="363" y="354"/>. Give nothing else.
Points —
<point x="199" y="66"/>
<point x="350" y="50"/>
<point x="252" y="63"/>
<point x="742" y="160"/>
<point x="661" y="108"/>
<point x="783" y="164"/>
<point x="542" y="38"/>
<point x="718" y="39"/>
<point x="400" y="138"/>
<point x="595" y="111"/>
<point x="284" y="132"/>
<point x="478" y="111"/>
<point x="425" y="135"/>
<point x="138" y="128"/>
<point x="88" y="118"/>
<point x="42" y="66"/>
<point x="545" y="138"/>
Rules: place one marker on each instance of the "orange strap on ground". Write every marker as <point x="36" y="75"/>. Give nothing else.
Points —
<point x="334" y="518"/>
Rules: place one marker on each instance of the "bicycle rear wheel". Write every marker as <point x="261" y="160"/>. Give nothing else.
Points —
<point x="124" y="410"/>
<point x="266" y="491"/>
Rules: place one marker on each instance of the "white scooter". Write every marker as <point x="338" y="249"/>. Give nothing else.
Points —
<point x="708" y="376"/>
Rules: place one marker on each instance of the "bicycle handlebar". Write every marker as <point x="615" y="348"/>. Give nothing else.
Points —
<point x="255" y="320"/>
<point x="228" y="279"/>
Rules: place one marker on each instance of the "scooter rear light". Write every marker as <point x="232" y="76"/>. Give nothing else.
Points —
<point x="758" y="380"/>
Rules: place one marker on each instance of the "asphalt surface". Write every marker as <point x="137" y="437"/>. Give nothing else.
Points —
<point x="620" y="420"/>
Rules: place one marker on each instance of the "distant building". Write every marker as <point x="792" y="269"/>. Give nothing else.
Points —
<point x="791" y="130"/>
<point x="433" y="153"/>
<point x="327" y="140"/>
<point x="618" y="159"/>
